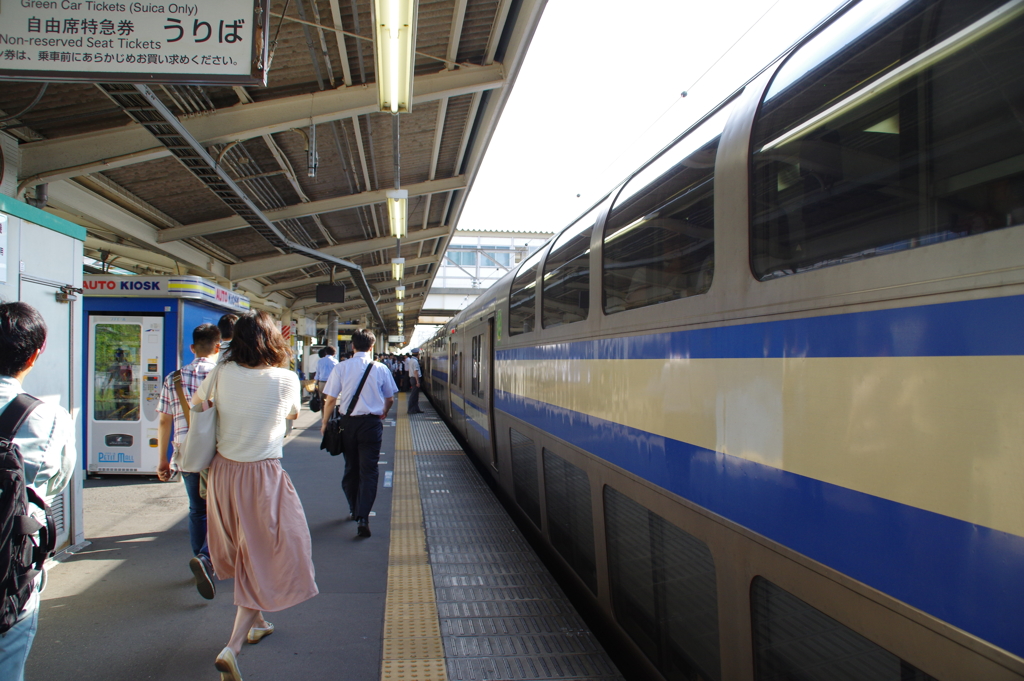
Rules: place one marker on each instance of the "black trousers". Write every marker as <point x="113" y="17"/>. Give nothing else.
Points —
<point x="363" y="436"/>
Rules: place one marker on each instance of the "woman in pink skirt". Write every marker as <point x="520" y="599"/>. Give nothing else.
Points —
<point x="257" y="529"/>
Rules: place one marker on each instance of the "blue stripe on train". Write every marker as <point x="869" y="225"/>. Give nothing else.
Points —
<point x="964" y="574"/>
<point x="994" y="326"/>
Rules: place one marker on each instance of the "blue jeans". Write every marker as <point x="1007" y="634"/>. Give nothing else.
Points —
<point x="196" y="514"/>
<point x="17" y="642"/>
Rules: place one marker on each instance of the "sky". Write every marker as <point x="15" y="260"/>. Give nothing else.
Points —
<point x="599" y="94"/>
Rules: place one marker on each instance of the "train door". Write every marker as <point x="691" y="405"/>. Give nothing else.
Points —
<point x="125" y="375"/>
<point x="487" y="381"/>
<point x="51" y="378"/>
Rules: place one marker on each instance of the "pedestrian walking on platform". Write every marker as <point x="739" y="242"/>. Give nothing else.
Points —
<point x="364" y="422"/>
<point x="176" y="394"/>
<point x="46" y="440"/>
<point x="258" y="533"/>
<point x="412" y="367"/>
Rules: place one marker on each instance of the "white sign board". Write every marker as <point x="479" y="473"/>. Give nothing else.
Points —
<point x="199" y="41"/>
<point x="396" y="339"/>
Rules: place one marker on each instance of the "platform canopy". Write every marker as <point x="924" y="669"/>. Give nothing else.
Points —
<point x="147" y="213"/>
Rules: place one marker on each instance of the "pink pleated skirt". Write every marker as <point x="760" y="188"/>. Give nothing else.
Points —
<point x="258" y="534"/>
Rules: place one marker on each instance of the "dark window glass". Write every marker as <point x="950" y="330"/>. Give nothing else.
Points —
<point x="570" y="516"/>
<point x="793" y="641"/>
<point x="524" y="475"/>
<point x="842" y="172"/>
<point x="566" y="278"/>
<point x="475" y="387"/>
<point x="659" y="237"/>
<point x="453" y="358"/>
<point x="522" y="315"/>
<point x="664" y="590"/>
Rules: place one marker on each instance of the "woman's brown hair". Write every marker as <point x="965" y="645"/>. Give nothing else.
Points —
<point x="257" y="341"/>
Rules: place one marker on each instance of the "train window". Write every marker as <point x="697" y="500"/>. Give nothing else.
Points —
<point x="890" y="141"/>
<point x="570" y="516"/>
<point x="524" y="475"/>
<point x="475" y="359"/>
<point x="566" y="278"/>
<point x="793" y="640"/>
<point x="453" y="358"/>
<point x="659" y="239"/>
<point x="663" y="589"/>
<point x="522" y="315"/>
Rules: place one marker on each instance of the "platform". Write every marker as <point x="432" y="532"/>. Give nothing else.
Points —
<point x="446" y="588"/>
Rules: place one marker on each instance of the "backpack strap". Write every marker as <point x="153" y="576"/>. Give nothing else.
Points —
<point x="182" y="402"/>
<point x="14" y="416"/>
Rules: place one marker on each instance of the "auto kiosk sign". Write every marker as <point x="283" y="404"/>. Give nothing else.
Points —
<point x="163" y="287"/>
<point x="208" y="42"/>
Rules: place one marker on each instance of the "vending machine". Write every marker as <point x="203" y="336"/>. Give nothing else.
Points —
<point x="125" y="375"/>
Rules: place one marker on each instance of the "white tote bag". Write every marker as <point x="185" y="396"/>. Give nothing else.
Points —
<point x="200" y="445"/>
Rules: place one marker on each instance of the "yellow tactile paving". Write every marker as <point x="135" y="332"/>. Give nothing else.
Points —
<point x="413" y="648"/>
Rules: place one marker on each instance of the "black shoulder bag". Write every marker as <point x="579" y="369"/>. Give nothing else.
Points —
<point x="333" y="440"/>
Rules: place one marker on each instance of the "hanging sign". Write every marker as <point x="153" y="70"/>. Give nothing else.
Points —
<point x="201" y="42"/>
<point x="3" y="248"/>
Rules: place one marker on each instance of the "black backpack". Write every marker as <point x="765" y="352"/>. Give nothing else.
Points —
<point x="21" y="555"/>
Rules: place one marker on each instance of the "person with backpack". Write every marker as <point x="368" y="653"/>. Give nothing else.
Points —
<point x="37" y="460"/>
<point x="177" y="391"/>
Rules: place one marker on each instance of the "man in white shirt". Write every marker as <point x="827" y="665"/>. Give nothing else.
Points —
<point x="325" y="366"/>
<point x="46" y="440"/>
<point x="412" y="367"/>
<point x="364" y="422"/>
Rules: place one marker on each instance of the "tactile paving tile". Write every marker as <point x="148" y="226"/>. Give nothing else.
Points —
<point x="421" y="670"/>
<point x="501" y="614"/>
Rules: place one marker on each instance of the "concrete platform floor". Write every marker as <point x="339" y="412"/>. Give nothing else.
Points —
<point x="126" y="606"/>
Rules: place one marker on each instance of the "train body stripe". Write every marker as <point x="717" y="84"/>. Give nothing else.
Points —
<point x="991" y="326"/>
<point x="962" y="573"/>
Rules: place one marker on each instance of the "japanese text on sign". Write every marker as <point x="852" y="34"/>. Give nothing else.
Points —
<point x="216" y="37"/>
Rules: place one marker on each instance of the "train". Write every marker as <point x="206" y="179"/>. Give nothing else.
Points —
<point x="763" y="403"/>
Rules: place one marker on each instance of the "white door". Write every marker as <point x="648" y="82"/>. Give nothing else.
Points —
<point x="125" y="374"/>
<point x="51" y="378"/>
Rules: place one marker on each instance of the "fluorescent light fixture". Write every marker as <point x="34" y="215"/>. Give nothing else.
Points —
<point x="401" y="316"/>
<point x="400" y="307"/>
<point x="398" y="268"/>
<point x="399" y="292"/>
<point x="394" y="52"/>
<point x="398" y="206"/>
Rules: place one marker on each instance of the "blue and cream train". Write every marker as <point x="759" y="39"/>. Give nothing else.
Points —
<point x="765" y="401"/>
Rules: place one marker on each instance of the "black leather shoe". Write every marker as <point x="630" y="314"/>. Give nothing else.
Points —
<point x="364" y="528"/>
<point x="202" y="568"/>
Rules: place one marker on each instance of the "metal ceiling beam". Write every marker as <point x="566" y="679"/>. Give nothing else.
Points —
<point x="301" y="210"/>
<point x="83" y="207"/>
<point x="51" y="160"/>
<point x="375" y="269"/>
<point x="282" y="263"/>
<point x="142" y="104"/>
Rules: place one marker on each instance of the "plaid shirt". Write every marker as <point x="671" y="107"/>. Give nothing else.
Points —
<point x="192" y="374"/>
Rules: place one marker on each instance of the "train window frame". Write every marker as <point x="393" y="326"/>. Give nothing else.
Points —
<point x="475" y="382"/>
<point x="679" y="221"/>
<point x="886" y="163"/>
<point x="523" y="294"/>
<point x="565" y="247"/>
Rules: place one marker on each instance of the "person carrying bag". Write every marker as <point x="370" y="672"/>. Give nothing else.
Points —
<point x="334" y="434"/>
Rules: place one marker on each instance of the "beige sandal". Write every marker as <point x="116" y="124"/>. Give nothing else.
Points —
<point x="257" y="633"/>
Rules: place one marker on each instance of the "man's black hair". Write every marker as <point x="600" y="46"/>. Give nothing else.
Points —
<point x="363" y="340"/>
<point x="22" y="332"/>
<point x="330" y="350"/>
<point x="206" y="338"/>
<point x="227" y="326"/>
